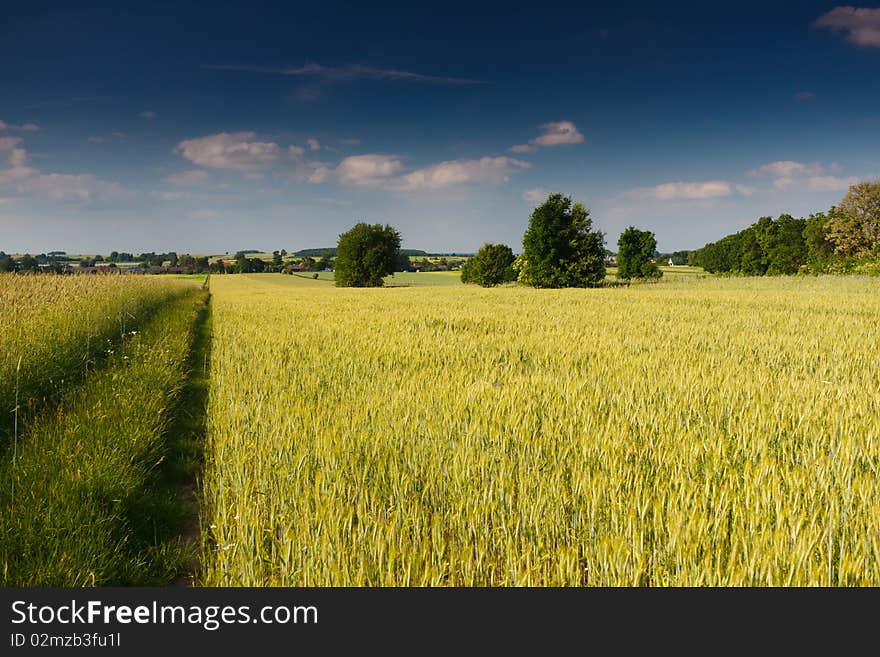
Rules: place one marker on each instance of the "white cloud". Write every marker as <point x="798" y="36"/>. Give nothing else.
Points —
<point x="318" y="173"/>
<point x="313" y="143"/>
<point x="683" y="191"/>
<point x="368" y="170"/>
<point x="67" y="187"/>
<point x="745" y="190"/>
<point x="295" y="152"/>
<point x="56" y="186"/>
<point x="461" y="172"/>
<point x="346" y="73"/>
<point x="169" y="196"/>
<point x="860" y="24"/>
<point x="830" y="183"/>
<point x="788" y="174"/>
<point x="786" y="169"/>
<point x="16" y="158"/>
<point x="536" y="195"/>
<point x="558" y="132"/>
<point x="191" y="178"/>
<point x="555" y="133"/>
<point x="148" y="114"/>
<point x="202" y="214"/>
<point x="94" y="139"/>
<point x="377" y="170"/>
<point x="237" y="150"/>
<point x="8" y="143"/>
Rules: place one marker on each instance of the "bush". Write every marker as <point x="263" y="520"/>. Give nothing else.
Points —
<point x="490" y="266"/>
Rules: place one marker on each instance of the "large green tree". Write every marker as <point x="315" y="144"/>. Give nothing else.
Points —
<point x="366" y="254"/>
<point x="635" y="254"/>
<point x="491" y="265"/>
<point x="560" y="247"/>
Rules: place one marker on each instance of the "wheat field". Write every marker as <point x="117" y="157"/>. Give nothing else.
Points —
<point x="721" y="432"/>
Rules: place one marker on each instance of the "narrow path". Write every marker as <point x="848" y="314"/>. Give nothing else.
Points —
<point x="186" y="445"/>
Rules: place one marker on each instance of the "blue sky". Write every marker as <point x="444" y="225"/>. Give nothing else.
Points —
<point x="209" y="128"/>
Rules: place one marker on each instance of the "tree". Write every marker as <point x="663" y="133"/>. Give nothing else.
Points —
<point x="560" y="247"/>
<point x="325" y="263"/>
<point x="403" y="263"/>
<point x="854" y="225"/>
<point x="635" y="253"/>
<point x="819" y="248"/>
<point x="491" y="265"/>
<point x="783" y="242"/>
<point x="366" y="254"/>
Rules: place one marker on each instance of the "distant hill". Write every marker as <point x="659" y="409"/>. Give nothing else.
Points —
<point x="316" y="253"/>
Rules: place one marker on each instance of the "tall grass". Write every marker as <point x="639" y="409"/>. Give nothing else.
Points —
<point x="94" y="503"/>
<point x="54" y="327"/>
<point x="692" y="432"/>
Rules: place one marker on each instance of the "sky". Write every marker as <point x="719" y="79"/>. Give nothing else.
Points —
<point x="215" y="127"/>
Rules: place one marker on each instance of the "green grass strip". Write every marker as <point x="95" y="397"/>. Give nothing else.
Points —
<point x="96" y="496"/>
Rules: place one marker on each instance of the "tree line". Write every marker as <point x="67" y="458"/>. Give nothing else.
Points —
<point x="845" y="239"/>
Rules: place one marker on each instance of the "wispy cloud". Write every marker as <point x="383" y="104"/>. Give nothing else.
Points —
<point x="345" y="73"/>
<point x="103" y="139"/>
<point x="490" y="170"/>
<point x="148" y="114"/>
<point x="55" y="186"/>
<point x="30" y="126"/>
<point x="68" y="187"/>
<point x="388" y="171"/>
<point x="683" y="191"/>
<point x="804" y="96"/>
<point x="535" y="195"/>
<point x="202" y="214"/>
<point x="168" y="196"/>
<point x="813" y="176"/>
<point x="555" y="133"/>
<point x="62" y="102"/>
<point x="191" y="178"/>
<point x="860" y="24"/>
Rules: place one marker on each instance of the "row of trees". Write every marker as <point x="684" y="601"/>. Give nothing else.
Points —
<point x="844" y="239"/>
<point x="560" y="249"/>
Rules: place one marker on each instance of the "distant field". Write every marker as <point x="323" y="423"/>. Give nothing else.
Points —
<point x="696" y="431"/>
<point x="195" y="278"/>
<point x="400" y="279"/>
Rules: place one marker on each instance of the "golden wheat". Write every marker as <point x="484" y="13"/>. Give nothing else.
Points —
<point x="698" y="432"/>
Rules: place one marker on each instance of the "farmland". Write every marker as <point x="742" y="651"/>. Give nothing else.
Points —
<point x="696" y="431"/>
<point x="692" y="432"/>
